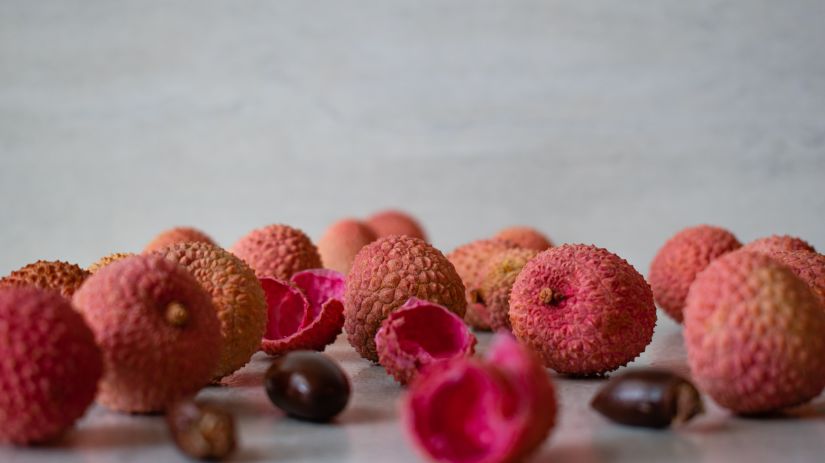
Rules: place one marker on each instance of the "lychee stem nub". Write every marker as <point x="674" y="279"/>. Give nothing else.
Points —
<point x="549" y="297"/>
<point x="176" y="314"/>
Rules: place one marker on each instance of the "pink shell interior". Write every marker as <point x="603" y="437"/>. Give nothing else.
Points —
<point x="319" y="286"/>
<point x="292" y="308"/>
<point x="428" y="330"/>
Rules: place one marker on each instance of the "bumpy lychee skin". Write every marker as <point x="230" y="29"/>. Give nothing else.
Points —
<point x="583" y="309"/>
<point x="49" y="365"/>
<point x="809" y="266"/>
<point x="497" y="281"/>
<point x="157" y="328"/>
<point x="683" y="256"/>
<point x="60" y="276"/>
<point x="394" y="222"/>
<point x="753" y="333"/>
<point x="108" y="259"/>
<point x="277" y="251"/>
<point x="775" y="243"/>
<point x="178" y="235"/>
<point x="236" y="294"/>
<point x="384" y="275"/>
<point x="342" y="241"/>
<point x="470" y="260"/>
<point x="526" y="237"/>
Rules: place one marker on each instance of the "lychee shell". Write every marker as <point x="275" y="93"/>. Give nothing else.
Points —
<point x="394" y="222"/>
<point x="178" y="235"/>
<point x="753" y="333"/>
<point x="277" y="251"/>
<point x="809" y="266"/>
<point x="525" y="237"/>
<point x="497" y="281"/>
<point x="776" y="243"/>
<point x="388" y="272"/>
<point x="236" y="295"/>
<point x="49" y="367"/>
<point x="106" y="260"/>
<point x="60" y="276"/>
<point x="342" y="241"/>
<point x="157" y="328"/>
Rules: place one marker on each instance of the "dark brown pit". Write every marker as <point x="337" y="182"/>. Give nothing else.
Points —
<point x="202" y="431"/>
<point x="307" y="385"/>
<point x="648" y="398"/>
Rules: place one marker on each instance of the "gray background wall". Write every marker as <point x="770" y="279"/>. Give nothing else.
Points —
<point x="609" y="122"/>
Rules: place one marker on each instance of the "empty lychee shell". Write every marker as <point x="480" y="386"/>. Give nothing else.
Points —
<point x="418" y="335"/>
<point x="468" y="410"/>
<point x="306" y="314"/>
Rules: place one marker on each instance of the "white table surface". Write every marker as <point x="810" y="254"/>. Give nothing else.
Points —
<point x="606" y="122"/>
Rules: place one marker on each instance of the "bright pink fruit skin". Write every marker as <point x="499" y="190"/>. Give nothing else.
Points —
<point x="418" y="335"/>
<point x="753" y="333"/>
<point x="679" y="261"/>
<point x="583" y="309"/>
<point x="150" y="357"/>
<point x="49" y="365"/>
<point x="393" y="222"/>
<point x="277" y="251"/>
<point x="468" y="410"/>
<point x="775" y="243"/>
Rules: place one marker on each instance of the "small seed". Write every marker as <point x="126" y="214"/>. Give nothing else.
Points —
<point x="201" y="431"/>
<point x="307" y="385"/>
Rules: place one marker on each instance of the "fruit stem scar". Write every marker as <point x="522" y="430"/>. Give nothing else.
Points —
<point x="176" y="314"/>
<point x="549" y="297"/>
<point x="476" y="297"/>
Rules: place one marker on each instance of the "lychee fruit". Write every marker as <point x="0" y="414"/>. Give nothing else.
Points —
<point x="775" y="243"/>
<point x="525" y="237"/>
<point x="49" y="365"/>
<point x="497" y="280"/>
<point x="583" y="309"/>
<point x="418" y="335"/>
<point x="809" y="266"/>
<point x="388" y="272"/>
<point x="157" y="328"/>
<point x="753" y="333"/>
<point x="305" y="313"/>
<point x="395" y="222"/>
<point x="277" y="251"/>
<point x="108" y="259"/>
<point x="497" y="409"/>
<point x="470" y="260"/>
<point x="342" y="241"/>
<point x="236" y="294"/>
<point x="60" y="276"/>
<point x="682" y="257"/>
<point x="178" y="235"/>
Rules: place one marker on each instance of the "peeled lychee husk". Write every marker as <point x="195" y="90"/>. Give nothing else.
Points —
<point x="583" y="309"/>
<point x="468" y="410"/>
<point x="108" y="259"/>
<point x="395" y="222"/>
<point x="388" y="272"/>
<point x="157" y="328"/>
<point x="470" y="260"/>
<point x="178" y="235"/>
<point x="753" y="332"/>
<point x="525" y="237"/>
<point x="277" y="251"/>
<point x="342" y="241"/>
<point x="776" y="243"/>
<point x="809" y="266"/>
<point x="682" y="257"/>
<point x="419" y="335"/>
<point x="60" y="276"/>
<point x="236" y="294"/>
<point x="497" y="280"/>
<point x="49" y="367"/>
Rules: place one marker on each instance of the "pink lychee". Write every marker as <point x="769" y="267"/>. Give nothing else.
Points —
<point x="277" y="251"/>
<point x="395" y="222"/>
<point x="525" y="237"/>
<point x="809" y="266"/>
<point x="775" y="243"/>
<point x="178" y="235"/>
<point x="342" y="241"/>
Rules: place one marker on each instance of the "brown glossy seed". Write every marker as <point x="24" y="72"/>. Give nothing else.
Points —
<point x="307" y="385"/>
<point x="648" y="398"/>
<point x="201" y="431"/>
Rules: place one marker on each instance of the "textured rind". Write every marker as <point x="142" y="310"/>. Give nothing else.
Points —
<point x="395" y="356"/>
<point x="753" y="333"/>
<point x="384" y="275"/>
<point x="277" y="251"/>
<point x="49" y="367"/>
<point x="149" y="362"/>
<point x="342" y="241"/>
<point x="497" y="280"/>
<point x="776" y="243"/>
<point x="682" y="257"/>
<point x="60" y="276"/>
<point x="520" y="406"/>
<point x="108" y="259"/>
<point x="236" y="295"/>
<point x="393" y="222"/>
<point x="809" y="266"/>
<point x="605" y="319"/>
<point x="525" y="237"/>
<point x="470" y="260"/>
<point x="178" y="235"/>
